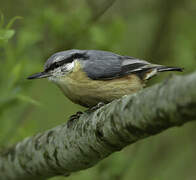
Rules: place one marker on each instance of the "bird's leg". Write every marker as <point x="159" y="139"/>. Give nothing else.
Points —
<point x="79" y="113"/>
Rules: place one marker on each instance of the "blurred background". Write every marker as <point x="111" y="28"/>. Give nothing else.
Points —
<point x="161" y="31"/>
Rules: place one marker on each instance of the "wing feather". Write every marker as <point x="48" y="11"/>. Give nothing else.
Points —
<point x="106" y="65"/>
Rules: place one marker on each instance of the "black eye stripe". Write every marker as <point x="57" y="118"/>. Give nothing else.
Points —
<point x="55" y="65"/>
<point x="67" y="60"/>
<point x="77" y="56"/>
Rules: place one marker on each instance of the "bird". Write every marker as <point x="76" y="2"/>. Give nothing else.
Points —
<point x="90" y="77"/>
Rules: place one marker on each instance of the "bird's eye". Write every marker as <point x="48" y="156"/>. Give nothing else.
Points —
<point x="54" y="66"/>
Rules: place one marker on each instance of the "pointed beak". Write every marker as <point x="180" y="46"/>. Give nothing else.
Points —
<point x="39" y="75"/>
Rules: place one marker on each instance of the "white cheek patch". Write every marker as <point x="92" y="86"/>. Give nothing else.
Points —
<point x="61" y="71"/>
<point x="69" y="66"/>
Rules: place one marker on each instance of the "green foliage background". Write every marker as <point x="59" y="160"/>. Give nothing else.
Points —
<point x="161" y="31"/>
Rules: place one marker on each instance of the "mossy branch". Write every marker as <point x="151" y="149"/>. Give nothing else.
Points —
<point x="81" y="143"/>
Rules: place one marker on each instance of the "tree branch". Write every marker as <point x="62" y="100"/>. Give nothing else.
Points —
<point x="81" y="143"/>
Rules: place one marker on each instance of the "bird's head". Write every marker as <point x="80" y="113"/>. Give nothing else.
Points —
<point x="60" y="64"/>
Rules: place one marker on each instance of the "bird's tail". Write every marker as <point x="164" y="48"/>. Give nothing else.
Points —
<point x="153" y="69"/>
<point x="167" y="68"/>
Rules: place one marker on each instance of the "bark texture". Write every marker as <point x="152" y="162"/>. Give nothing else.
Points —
<point x="81" y="143"/>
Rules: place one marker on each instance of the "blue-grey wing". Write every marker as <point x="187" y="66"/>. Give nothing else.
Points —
<point x="102" y="65"/>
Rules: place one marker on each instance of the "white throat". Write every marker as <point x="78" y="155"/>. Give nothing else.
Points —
<point x="61" y="71"/>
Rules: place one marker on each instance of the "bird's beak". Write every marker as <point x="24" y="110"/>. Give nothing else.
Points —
<point x="39" y="75"/>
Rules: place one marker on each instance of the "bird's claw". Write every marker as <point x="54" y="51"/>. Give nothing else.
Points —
<point x="75" y="116"/>
<point x="94" y="108"/>
<point x="79" y="113"/>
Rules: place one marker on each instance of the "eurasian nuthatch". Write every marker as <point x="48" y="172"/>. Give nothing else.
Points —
<point x="88" y="77"/>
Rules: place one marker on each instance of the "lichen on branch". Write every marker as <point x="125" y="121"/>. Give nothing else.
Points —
<point x="81" y="143"/>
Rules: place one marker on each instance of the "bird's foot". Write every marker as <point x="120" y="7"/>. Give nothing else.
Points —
<point x="94" y="108"/>
<point x="99" y="105"/>
<point x="75" y="116"/>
